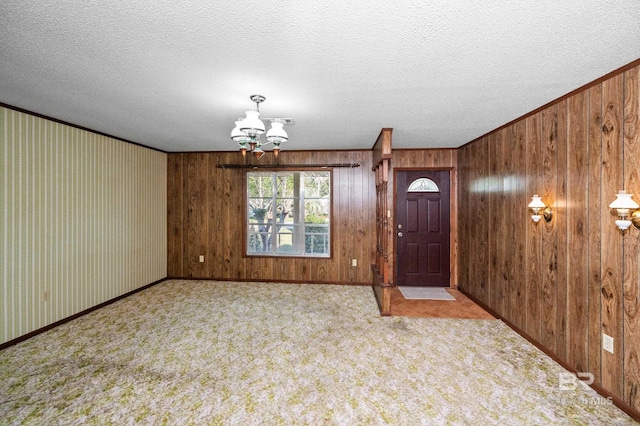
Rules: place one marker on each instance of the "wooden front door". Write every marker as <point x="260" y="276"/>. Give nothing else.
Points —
<point x="422" y="228"/>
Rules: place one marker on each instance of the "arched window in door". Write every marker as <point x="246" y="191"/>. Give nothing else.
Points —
<point x="423" y="185"/>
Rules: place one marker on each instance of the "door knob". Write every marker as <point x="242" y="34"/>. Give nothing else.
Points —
<point x="399" y="226"/>
<point x="399" y="234"/>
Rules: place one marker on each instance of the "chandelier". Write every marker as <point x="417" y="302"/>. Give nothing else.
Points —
<point x="248" y="130"/>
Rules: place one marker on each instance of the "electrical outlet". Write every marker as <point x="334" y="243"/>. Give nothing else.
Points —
<point x="45" y="295"/>
<point x="354" y="262"/>
<point x="607" y="343"/>
<point x="201" y="258"/>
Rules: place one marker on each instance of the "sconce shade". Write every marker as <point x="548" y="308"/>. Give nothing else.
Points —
<point x="623" y="203"/>
<point x="623" y="225"/>
<point x="536" y="203"/>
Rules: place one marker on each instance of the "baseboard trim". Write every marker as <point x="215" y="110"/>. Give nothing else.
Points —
<point x="74" y="316"/>
<point x="257" y="280"/>
<point x="617" y="401"/>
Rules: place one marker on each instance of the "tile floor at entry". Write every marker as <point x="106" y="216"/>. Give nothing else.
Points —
<point x="462" y="307"/>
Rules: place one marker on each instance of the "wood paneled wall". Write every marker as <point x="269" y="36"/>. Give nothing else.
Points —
<point x="205" y="217"/>
<point x="566" y="282"/>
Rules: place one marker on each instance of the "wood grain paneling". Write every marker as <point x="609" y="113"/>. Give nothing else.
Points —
<point x="560" y="209"/>
<point x="580" y="276"/>
<point x="631" y="302"/>
<point x="534" y="235"/>
<point x="479" y="229"/>
<point x="549" y="231"/>
<point x="577" y="220"/>
<point x="381" y="154"/>
<point x="594" y="224"/>
<point x="612" y="182"/>
<point x="518" y="202"/>
<point x="206" y="217"/>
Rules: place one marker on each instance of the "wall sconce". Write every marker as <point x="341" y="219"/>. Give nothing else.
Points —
<point x="624" y="204"/>
<point x="537" y="206"/>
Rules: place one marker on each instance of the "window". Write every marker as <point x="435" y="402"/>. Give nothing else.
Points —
<point x="423" y="185"/>
<point x="289" y="213"/>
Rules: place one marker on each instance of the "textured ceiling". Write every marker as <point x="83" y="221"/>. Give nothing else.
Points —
<point x="176" y="74"/>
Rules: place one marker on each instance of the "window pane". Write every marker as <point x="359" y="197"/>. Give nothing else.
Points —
<point x="285" y="240"/>
<point x="316" y="211"/>
<point x="285" y="185"/>
<point x="285" y="210"/>
<point x="259" y="210"/>
<point x="316" y="240"/>
<point x="260" y="185"/>
<point x="259" y="242"/>
<point x="316" y="185"/>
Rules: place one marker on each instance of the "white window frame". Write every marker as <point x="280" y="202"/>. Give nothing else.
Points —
<point x="272" y="228"/>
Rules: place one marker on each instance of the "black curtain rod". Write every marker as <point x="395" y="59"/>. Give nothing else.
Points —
<point x="286" y="166"/>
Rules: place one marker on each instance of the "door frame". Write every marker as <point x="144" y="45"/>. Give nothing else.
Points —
<point x="453" y="221"/>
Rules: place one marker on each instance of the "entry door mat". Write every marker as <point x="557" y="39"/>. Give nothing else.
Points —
<point x="426" y="293"/>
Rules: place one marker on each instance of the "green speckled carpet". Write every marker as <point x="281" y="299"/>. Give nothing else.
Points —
<point x="206" y="352"/>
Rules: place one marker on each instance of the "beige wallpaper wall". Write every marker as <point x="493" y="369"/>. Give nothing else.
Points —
<point x="82" y="220"/>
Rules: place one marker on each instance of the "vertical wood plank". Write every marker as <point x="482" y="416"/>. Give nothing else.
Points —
<point x="578" y="224"/>
<point x="560" y="218"/>
<point x="534" y="254"/>
<point x="612" y="182"/>
<point x="631" y="156"/>
<point x="495" y="213"/>
<point x="216" y="187"/>
<point x="481" y="229"/>
<point x="548" y="291"/>
<point x="174" y="216"/>
<point x="504" y="216"/>
<point x="463" y="198"/>
<point x="520" y="217"/>
<point x="191" y="222"/>
<point x="202" y="230"/>
<point x="484" y="258"/>
<point x="595" y="206"/>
